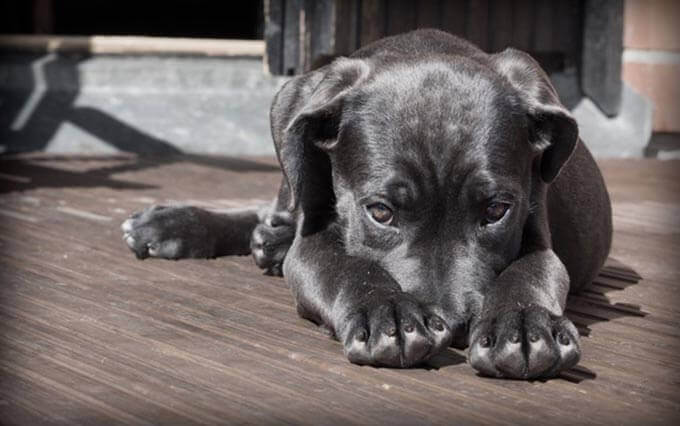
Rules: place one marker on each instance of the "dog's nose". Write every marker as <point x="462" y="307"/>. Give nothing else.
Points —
<point x="460" y="335"/>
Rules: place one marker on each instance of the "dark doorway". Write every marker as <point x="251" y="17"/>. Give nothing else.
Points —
<point x="169" y="18"/>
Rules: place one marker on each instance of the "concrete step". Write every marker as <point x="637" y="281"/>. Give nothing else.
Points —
<point x="70" y="103"/>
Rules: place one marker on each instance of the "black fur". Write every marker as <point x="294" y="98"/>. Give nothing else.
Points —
<point x="437" y="131"/>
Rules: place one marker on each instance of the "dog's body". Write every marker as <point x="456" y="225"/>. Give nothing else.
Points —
<point x="432" y="194"/>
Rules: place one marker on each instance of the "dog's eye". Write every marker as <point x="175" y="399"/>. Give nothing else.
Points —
<point x="495" y="212"/>
<point x="381" y="213"/>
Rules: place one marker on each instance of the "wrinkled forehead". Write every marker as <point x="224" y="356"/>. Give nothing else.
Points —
<point x="438" y="118"/>
<point x="433" y="92"/>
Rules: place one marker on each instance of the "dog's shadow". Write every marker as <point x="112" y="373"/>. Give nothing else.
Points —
<point x="592" y="306"/>
<point x="447" y="358"/>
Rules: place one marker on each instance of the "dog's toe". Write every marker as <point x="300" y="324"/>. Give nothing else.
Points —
<point x="135" y="243"/>
<point x="356" y="342"/>
<point x="127" y="226"/>
<point x="417" y="346"/>
<point x="480" y="359"/>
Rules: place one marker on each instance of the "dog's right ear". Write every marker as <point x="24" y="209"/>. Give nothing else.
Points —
<point x="553" y="131"/>
<point x="314" y="130"/>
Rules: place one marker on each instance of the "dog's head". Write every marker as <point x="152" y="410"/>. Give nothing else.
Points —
<point x="432" y="168"/>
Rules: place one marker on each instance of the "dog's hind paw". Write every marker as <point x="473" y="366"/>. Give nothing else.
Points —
<point x="394" y="332"/>
<point x="168" y="232"/>
<point x="525" y="343"/>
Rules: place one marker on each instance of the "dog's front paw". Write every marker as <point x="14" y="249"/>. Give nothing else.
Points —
<point x="271" y="240"/>
<point x="169" y="232"/>
<point x="394" y="331"/>
<point x="523" y="344"/>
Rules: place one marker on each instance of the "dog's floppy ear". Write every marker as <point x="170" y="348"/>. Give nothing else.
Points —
<point x="314" y="130"/>
<point x="552" y="129"/>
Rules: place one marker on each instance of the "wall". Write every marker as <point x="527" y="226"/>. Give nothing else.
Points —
<point x="651" y="59"/>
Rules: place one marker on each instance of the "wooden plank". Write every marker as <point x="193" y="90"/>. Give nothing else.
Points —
<point x="319" y="33"/>
<point x="292" y="38"/>
<point x="373" y="24"/>
<point x="260" y="324"/>
<point x="543" y="26"/>
<point x="91" y="333"/>
<point x="454" y="16"/>
<point x="500" y="25"/>
<point x="401" y="16"/>
<point x="522" y="24"/>
<point x="477" y="23"/>
<point x="567" y="33"/>
<point x="347" y="26"/>
<point x="429" y="14"/>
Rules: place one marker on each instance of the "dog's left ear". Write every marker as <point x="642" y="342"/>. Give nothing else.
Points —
<point x="552" y="129"/>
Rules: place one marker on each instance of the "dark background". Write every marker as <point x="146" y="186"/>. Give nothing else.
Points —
<point x="169" y="18"/>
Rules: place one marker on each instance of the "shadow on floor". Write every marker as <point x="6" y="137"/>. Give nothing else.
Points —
<point x="592" y="306"/>
<point x="25" y="173"/>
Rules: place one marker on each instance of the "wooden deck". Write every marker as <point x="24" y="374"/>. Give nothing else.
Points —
<point x="90" y="335"/>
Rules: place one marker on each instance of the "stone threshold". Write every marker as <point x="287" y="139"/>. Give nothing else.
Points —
<point x="131" y="45"/>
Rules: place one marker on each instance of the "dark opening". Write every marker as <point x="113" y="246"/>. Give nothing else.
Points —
<point x="168" y="18"/>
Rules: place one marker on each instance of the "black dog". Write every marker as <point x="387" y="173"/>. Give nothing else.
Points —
<point x="433" y="194"/>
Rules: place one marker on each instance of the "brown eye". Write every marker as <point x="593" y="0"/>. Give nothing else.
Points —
<point x="381" y="213"/>
<point x="495" y="212"/>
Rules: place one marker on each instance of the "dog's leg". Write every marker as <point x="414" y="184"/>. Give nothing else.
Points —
<point x="176" y="232"/>
<point x="361" y="304"/>
<point x="522" y="331"/>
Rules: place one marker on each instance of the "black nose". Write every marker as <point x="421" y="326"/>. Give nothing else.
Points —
<point x="460" y="335"/>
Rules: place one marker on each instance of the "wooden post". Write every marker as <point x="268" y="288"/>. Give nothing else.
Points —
<point x="601" y="54"/>
<point x="373" y="21"/>
<point x="319" y="33"/>
<point x="347" y="26"/>
<point x="292" y="38"/>
<point x="302" y="35"/>
<point x="273" y="35"/>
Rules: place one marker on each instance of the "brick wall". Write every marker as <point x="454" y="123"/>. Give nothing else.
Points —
<point x="651" y="60"/>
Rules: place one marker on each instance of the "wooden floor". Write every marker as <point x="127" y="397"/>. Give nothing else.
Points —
<point x="90" y="335"/>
